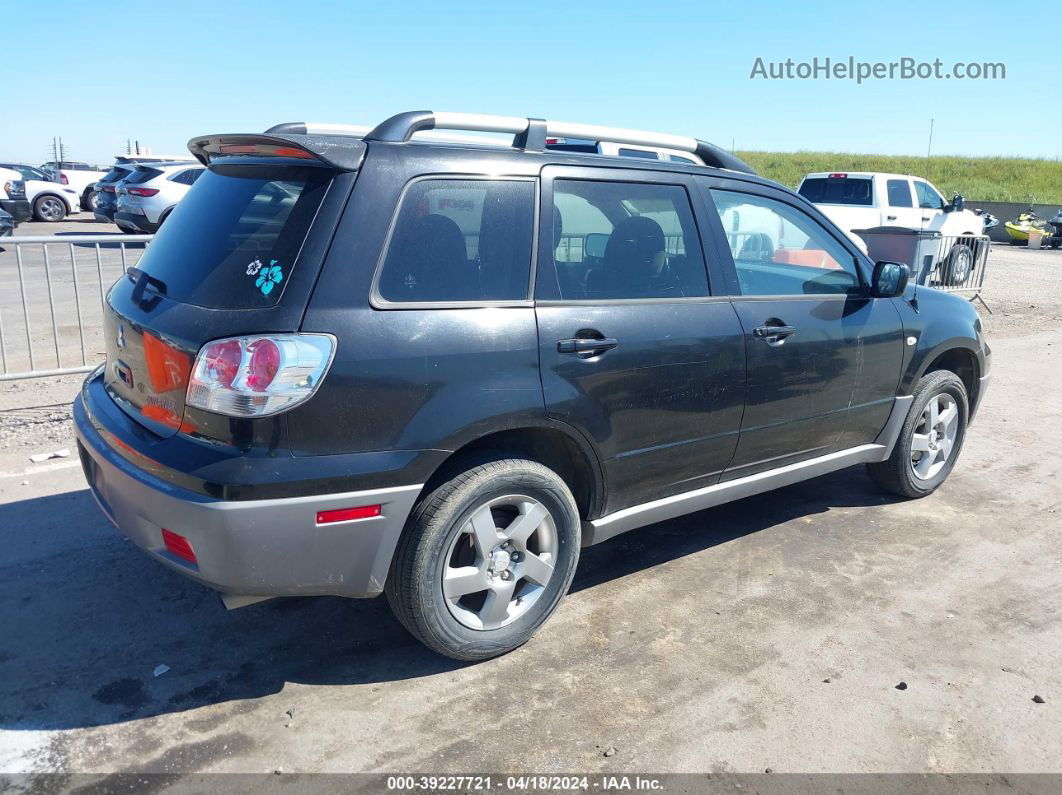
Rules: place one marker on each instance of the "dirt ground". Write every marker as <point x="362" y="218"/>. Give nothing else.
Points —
<point x="766" y="634"/>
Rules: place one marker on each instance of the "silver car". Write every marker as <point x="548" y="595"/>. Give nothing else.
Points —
<point x="146" y="197"/>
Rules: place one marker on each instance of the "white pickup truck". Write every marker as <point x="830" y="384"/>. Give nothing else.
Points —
<point x="865" y="199"/>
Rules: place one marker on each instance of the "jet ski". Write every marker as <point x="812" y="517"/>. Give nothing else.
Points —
<point x="1020" y="227"/>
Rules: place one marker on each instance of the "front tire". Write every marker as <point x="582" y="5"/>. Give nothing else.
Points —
<point x="485" y="559"/>
<point x="49" y="208"/>
<point x="930" y="440"/>
<point x="959" y="265"/>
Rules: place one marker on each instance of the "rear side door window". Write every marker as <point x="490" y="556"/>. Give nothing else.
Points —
<point x="899" y="193"/>
<point x="460" y="241"/>
<point x="621" y="241"/>
<point x="778" y="250"/>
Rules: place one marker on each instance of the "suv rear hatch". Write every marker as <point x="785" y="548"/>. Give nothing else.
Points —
<point x="239" y="255"/>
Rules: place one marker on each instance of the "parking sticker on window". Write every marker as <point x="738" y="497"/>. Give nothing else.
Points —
<point x="269" y="277"/>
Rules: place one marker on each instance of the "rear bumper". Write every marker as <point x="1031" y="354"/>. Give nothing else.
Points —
<point x="19" y="209"/>
<point x="105" y="214"/>
<point x="135" y="223"/>
<point x="269" y="547"/>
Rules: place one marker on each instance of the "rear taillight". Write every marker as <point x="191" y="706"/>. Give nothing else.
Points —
<point x="142" y="191"/>
<point x="260" y="375"/>
<point x="63" y="179"/>
<point x="108" y="188"/>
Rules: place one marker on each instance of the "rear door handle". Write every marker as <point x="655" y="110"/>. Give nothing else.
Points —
<point x="890" y="217"/>
<point x="774" y="335"/>
<point x="586" y="345"/>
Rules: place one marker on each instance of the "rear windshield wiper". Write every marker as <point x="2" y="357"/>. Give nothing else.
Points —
<point x="141" y="281"/>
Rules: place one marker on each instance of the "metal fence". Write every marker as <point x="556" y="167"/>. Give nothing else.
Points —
<point x="52" y="294"/>
<point x="957" y="265"/>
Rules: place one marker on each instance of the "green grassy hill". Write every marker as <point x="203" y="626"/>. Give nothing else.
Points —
<point x="1008" y="179"/>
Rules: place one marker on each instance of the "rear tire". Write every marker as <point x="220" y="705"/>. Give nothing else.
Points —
<point x="930" y="440"/>
<point x="89" y="200"/>
<point x="49" y="208"/>
<point x="485" y="558"/>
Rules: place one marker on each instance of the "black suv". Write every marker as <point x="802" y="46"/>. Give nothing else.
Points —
<point x="362" y="363"/>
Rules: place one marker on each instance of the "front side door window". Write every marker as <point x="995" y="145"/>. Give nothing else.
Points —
<point x="780" y="250"/>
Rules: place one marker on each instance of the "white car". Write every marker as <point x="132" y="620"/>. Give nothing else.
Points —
<point x="866" y="199"/>
<point x="148" y="195"/>
<point x="49" y="200"/>
<point x="81" y="177"/>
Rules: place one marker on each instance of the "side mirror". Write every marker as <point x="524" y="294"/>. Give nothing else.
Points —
<point x="958" y="203"/>
<point x="890" y="279"/>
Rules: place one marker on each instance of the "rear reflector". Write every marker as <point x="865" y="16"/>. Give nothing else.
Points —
<point x="178" y="545"/>
<point x="349" y="514"/>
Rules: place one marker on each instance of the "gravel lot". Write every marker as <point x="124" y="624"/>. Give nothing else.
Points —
<point x="764" y="634"/>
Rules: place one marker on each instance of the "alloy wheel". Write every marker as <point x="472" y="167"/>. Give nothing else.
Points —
<point x="934" y="437"/>
<point x="51" y="209"/>
<point x="963" y="266"/>
<point x="500" y="562"/>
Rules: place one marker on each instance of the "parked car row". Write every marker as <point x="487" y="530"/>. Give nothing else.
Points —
<point x="48" y="199"/>
<point x="137" y="193"/>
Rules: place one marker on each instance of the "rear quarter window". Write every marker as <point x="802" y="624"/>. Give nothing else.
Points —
<point x="460" y="240"/>
<point x="838" y="190"/>
<point x="233" y="240"/>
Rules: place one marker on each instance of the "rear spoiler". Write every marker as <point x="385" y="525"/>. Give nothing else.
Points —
<point x="341" y="153"/>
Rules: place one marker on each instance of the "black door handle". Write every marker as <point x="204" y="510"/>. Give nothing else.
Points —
<point x="774" y="335"/>
<point x="585" y="345"/>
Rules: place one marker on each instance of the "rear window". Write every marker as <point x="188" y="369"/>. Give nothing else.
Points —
<point x="461" y="240"/>
<point x="232" y="241"/>
<point x="115" y="174"/>
<point x="142" y="175"/>
<point x="837" y="190"/>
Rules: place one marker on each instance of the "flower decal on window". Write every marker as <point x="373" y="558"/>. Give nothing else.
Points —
<point x="254" y="267"/>
<point x="269" y="277"/>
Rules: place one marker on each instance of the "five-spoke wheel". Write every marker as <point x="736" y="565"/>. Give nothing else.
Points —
<point x="500" y="563"/>
<point x="486" y="557"/>
<point x="930" y="439"/>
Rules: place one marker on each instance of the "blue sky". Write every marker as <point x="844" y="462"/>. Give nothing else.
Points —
<point x="162" y="72"/>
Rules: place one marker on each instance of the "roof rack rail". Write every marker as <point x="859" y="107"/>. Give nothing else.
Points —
<point x="530" y="134"/>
